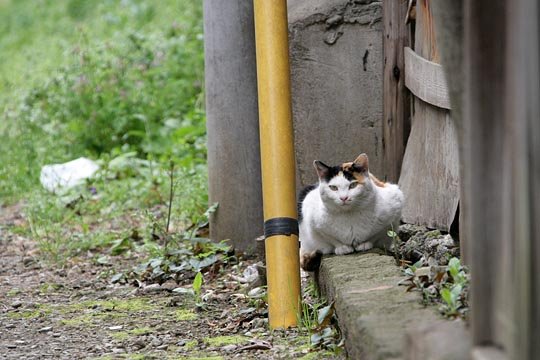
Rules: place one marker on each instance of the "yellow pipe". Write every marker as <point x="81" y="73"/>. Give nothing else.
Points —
<point x="277" y="158"/>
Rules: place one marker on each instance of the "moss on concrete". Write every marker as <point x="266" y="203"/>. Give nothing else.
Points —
<point x="373" y="310"/>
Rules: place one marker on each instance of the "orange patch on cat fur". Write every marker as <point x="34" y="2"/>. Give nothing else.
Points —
<point x="376" y="181"/>
<point x="346" y="166"/>
<point x="361" y="178"/>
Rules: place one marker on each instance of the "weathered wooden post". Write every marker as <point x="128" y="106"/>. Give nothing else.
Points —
<point x="396" y="108"/>
<point x="232" y="122"/>
<point x="501" y="143"/>
<point x="448" y="21"/>
<point x="432" y="150"/>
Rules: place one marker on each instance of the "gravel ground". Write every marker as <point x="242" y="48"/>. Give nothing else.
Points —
<point x="75" y="312"/>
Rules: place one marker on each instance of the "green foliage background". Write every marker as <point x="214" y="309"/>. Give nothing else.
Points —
<point x="99" y="78"/>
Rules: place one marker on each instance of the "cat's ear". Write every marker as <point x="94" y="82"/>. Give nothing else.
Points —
<point x="362" y="163"/>
<point x="322" y="169"/>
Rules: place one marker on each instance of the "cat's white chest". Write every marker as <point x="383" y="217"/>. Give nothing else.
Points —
<point x="346" y="227"/>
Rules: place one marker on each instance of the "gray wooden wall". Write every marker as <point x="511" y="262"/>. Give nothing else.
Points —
<point x="502" y="174"/>
<point x="499" y="139"/>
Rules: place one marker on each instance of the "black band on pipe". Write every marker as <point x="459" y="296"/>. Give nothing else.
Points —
<point x="280" y="226"/>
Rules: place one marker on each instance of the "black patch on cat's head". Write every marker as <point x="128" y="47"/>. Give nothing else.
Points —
<point x="326" y="173"/>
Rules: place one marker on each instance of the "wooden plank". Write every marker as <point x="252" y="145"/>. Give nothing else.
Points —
<point x="483" y="174"/>
<point x="448" y="16"/>
<point x="523" y="112"/>
<point x="425" y="31"/>
<point x="533" y="131"/>
<point x="430" y="176"/>
<point x="430" y="172"/>
<point x="396" y="108"/>
<point x="426" y="80"/>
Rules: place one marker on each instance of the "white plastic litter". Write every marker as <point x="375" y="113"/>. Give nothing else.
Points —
<point x="64" y="176"/>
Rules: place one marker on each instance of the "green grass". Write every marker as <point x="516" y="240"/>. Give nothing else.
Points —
<point x="39" y="35"/>
<point x="103" y="80"/>
<point x="119" y="81"/>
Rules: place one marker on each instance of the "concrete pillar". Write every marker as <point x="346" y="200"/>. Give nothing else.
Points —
<point x="337" y="82"/>
<point x="232" y="122"/>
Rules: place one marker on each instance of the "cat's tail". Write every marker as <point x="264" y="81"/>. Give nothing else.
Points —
<point x="311" y="261"/>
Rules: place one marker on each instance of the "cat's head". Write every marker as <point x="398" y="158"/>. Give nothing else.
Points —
<point x="342" y="186"/>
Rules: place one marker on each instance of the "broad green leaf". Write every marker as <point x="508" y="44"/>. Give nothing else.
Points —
<point x="121" y="246"/>
<point x="199" y="264"/>
<point x="117" y="277"/>
<point x="197" y="283"/>
<point x="446" y="296"/>
<point x="456" y="292"/>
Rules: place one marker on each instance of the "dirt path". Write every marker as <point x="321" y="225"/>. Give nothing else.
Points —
<point x="77" y="313"/>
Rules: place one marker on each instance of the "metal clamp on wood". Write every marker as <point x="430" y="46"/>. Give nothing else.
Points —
<point x="280" y="226"/>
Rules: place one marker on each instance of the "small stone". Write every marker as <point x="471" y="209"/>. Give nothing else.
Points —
<point x="332" y="36"/>
<point x="229" y="348"/>
<point x="11" y="346"/>
<point x="169" y="285"/>
<point x="56" y="335"/>
<point x="334" y="20"/>
<point x="156" y="342"/>
<point x="27" y="261"/>
<point x="74" y="271"/>
<point x="16" y="304"/>
<point x="45" y="329"/>
<point x="162" y="347"/>
<point x="139" y="344"/>
<point x="423" y="271"/>
<point x="182" y="342"/>
<point x="10" y="326"/>
<point x="152" y="289"/>
<point x="20" y="342"/>
<point x="117" y="327"/>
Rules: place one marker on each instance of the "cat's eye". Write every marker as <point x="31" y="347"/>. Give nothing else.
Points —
<point x="353" y="185"/>
<point x="333" y="187"/>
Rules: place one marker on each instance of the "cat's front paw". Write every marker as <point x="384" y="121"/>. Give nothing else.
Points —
<point x="344" y="249"/>
<point x="363" y="246"/>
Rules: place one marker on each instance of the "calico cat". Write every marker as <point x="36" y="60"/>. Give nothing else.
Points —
<point x="350" y="209"/>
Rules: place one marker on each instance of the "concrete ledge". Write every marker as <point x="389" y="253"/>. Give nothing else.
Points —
<point x="379" y="320"/>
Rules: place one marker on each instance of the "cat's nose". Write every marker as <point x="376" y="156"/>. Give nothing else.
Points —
<point x="344" y="198"/>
